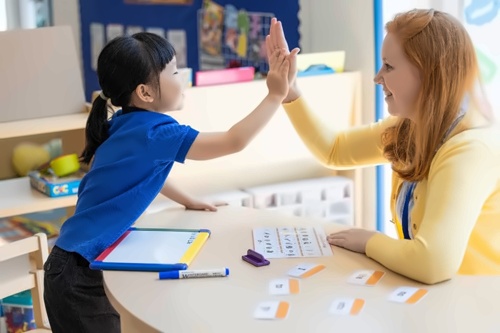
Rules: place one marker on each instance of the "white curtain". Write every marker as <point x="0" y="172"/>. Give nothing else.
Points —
<point x="3" y="16"/>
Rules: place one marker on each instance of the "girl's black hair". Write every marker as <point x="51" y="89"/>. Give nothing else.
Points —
<point x="123" y="64"/>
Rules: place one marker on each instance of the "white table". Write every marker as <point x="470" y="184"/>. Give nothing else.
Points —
<point x="146" y="304"/>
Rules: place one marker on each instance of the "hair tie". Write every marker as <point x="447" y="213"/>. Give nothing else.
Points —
<point x="101" y="94"/>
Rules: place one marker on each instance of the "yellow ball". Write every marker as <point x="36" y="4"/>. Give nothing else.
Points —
<point x="27" y="157"/>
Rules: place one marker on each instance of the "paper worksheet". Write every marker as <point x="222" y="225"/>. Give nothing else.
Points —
<point x="291" y="242"/>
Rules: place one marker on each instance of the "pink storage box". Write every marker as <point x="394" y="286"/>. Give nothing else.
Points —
<point x="222" y="76"/>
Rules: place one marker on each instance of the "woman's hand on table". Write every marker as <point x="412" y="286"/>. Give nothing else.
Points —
<point x="351" y="239"/>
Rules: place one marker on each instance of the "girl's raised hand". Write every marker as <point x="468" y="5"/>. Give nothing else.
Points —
<point x="276" y="40"/>
<point x="277" y="77"/>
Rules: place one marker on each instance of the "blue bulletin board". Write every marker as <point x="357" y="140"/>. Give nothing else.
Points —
<point x="180" y="23"/>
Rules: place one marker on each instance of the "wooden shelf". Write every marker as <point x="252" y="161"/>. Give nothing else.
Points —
<point x="283" y="157"/>
<point x="36" y="126"/>
<point x="18" y="197"/>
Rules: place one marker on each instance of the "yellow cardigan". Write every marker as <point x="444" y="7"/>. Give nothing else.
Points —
<point x="456" y="213"/>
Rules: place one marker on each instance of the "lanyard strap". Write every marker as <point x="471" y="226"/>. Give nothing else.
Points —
<point x="405" y="218"/>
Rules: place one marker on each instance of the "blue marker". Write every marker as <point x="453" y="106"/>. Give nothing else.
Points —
<point x="190" y="274"/>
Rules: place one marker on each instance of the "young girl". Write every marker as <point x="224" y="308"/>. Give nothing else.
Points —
<point x="132" y="154"/>
<point x="441" y="143"/>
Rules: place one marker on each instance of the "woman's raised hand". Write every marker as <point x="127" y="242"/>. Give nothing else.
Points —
<point x="276" y="41"/>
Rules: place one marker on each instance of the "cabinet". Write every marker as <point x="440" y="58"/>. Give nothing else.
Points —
<point x="276" y="155"/>
<point x="17" y="197"/>
<point x="40" y="78"/>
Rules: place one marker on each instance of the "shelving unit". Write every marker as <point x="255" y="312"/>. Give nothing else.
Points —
<point x="277" y="154"/>
<point x="277" y="149"/>
<point x="42" y="97"/>
<point x="19" y="198"/>
<point x="328" y="198"/>
<point x="14" y="129"/>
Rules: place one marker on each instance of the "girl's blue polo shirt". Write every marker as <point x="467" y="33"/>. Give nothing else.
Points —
<point x="128" y="171"/>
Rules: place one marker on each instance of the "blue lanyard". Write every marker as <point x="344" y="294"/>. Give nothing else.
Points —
<point x="405" y="218"/>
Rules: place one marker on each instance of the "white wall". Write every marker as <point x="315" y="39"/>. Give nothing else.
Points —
<point x="12" y="13"/>
<point x="67" y="12"/>
<point x="329" y="25"/>
<point x="3" y="16"/>
<point x="22" y="14"/>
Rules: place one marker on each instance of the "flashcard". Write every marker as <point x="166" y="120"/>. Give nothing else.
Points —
<point x="305" y="270"/>
<point x="284" y="287"/>
<point x="409" y="295"/>
<point x="347" y="306"/>
<point x="272" y="310"/>
<point x="366" y="277"/>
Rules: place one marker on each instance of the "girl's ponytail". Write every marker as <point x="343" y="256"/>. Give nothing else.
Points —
<point x="96" y="131"/>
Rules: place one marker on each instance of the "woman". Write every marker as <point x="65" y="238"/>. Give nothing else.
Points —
<point x="442" y="145"/>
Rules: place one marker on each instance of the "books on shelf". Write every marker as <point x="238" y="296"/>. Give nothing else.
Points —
<point x="14" y="228"/>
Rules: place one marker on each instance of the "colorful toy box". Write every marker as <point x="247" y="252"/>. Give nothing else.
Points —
<point x="54" y="186"/>
<point x="18" y="312"/>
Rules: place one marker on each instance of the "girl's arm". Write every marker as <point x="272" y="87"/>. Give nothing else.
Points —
<point x="212" y="145"/>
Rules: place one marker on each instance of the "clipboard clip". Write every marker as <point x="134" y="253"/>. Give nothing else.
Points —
<point x="255" y="258"/>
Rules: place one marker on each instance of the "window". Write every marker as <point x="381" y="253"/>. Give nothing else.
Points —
<point x="3" y="16"/>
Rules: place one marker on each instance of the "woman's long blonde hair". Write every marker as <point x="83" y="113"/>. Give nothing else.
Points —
<point x="441" y="49"/>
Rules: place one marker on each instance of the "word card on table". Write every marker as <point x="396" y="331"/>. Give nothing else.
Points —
<point x="291" y="242"/>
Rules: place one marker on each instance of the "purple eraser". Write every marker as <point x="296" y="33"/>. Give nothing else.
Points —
<point x="255" y="258"/>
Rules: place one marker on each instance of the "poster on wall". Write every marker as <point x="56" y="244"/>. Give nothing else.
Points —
<point x="179" y="21"/>
<point x="101" y="34"/>
<point x="231" y="37"/>
<point x="210" y="35"/>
